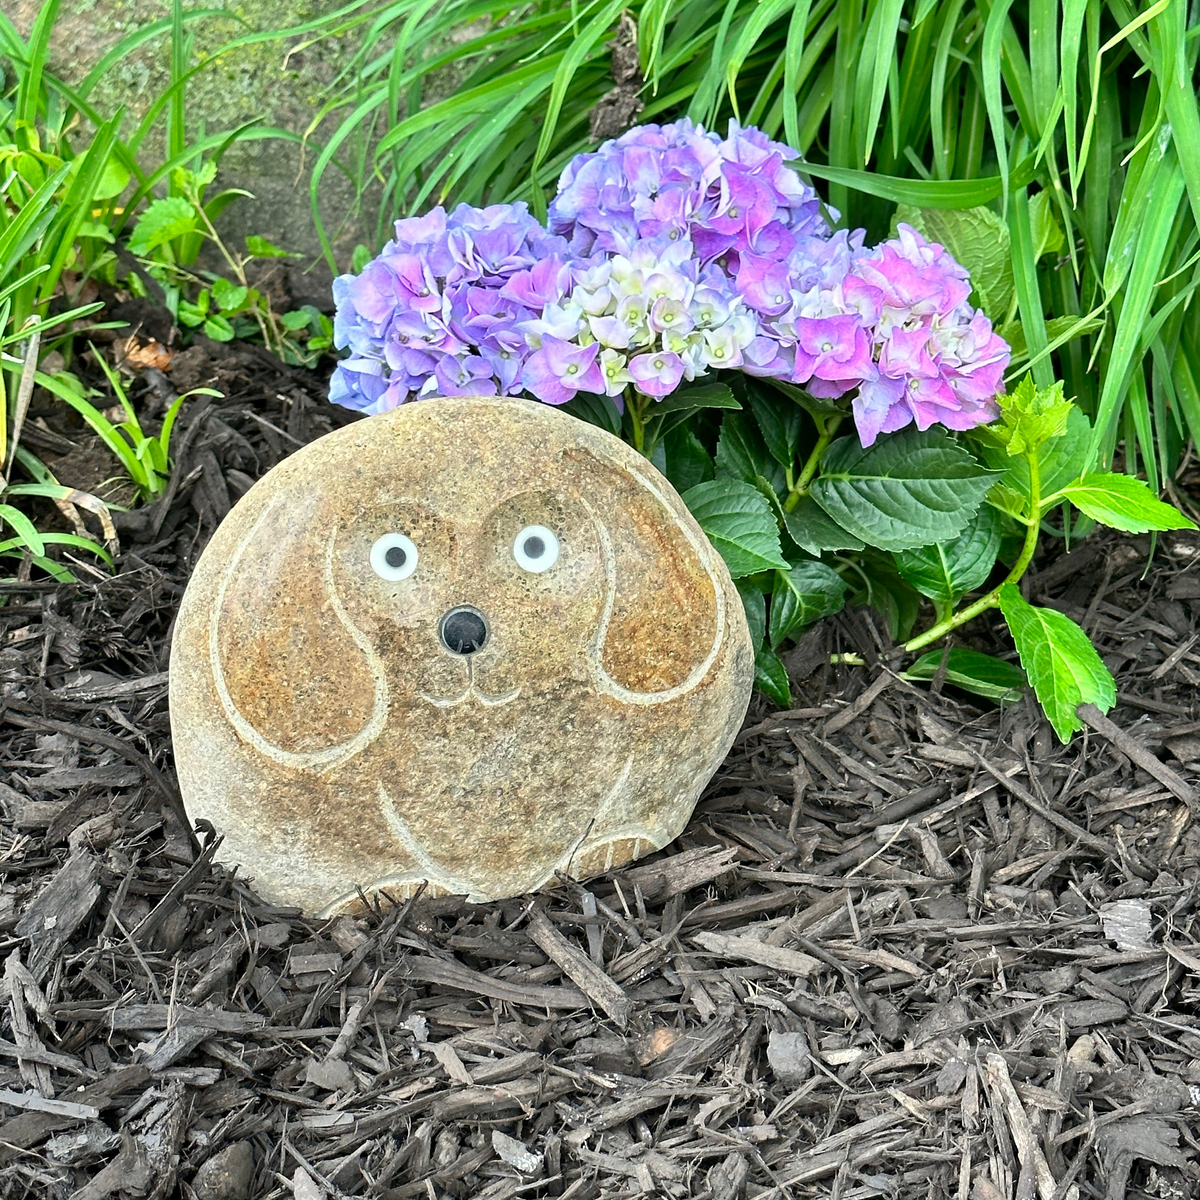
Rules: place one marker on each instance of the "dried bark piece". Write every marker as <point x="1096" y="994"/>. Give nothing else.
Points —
<point x="471" y="643"/>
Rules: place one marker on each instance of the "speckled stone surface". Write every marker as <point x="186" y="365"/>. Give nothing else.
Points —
<point x="323" y="725"/>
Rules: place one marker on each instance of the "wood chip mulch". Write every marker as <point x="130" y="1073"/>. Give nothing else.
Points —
<point x="909" y="946"/>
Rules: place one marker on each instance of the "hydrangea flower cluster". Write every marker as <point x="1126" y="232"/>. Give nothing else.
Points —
<point x="431" y="315"/>
<point x="647" y="319"/>
<point x="671" y="253"/>
<point x="727" y="197"/>
<point x="893" y="322"/>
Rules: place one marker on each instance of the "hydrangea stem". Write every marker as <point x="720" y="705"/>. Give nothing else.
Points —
<point x="637" y="415"/>
<point x="992" y="599"/>
<point x="799" y="489"/>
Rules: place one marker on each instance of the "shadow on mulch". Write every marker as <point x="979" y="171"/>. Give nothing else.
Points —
<point x="908" y="947"/>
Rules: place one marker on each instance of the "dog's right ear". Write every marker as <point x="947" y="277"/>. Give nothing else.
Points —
<point x="296" y="679"/>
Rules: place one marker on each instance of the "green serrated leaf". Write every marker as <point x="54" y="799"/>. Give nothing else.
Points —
<point x="1060" y="460"/>
<point x="1031" y="416"/>
<point x="742" y="454"/>
<point x="973" y="671"/>
<point x="230" y="297"/>
<point x="779" y="422"/>
<point x="707" y="395"/>
<point x="771" y="677"/>
<point x="735" y="516"/>
<point x="1124" y="503"/>
<point x="877" y="584"/>
<point x="755" y="605"/>
<point x="809" y="591"/>
<point x="688" y="462"/>
<point x="909" y="489"/>
<point x="946" y="571"/>
<point x="817" y="407"/>
<point x="595" y="410"/>
<point x="162" y="222"/>
<point x="815" y="531"/>
<point x="978" y="239"/>
<point x="1059" y="661"/>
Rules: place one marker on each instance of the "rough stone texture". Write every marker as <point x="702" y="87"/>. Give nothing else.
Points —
<point x="321" y="725"/>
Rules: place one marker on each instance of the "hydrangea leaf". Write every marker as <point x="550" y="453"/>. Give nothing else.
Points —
<point x="688" y="462"/>
<point x="754" y="603"/>
<point x="1124" y="503"/>
<point x="742" y="453"/>
<point x="1031" y="416"/>
<point x="708" y="395"/>
<point x="1059" y="660"/>
<point x="946" y="571"/>
<point x="973" y="671"/>
<point x="815" y="531"/>
<point x="907" y="490"/>
<point x="809" y="591"/>
<point x="779" y="423"/>
<point x="771" y="677"/>
<point x="162" y="222"/>
<point x="735" y="516"/>
<point x="1061" y="460"/>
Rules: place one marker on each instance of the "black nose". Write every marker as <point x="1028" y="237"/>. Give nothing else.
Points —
<point x="463" y="630"/>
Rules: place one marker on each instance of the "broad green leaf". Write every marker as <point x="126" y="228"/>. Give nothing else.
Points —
<point x="973" y="671"/>
<point x="162" y="222"/>
<point x="1059" y="661"/>
<point x="779" y="423"/>
<point x="909" y="489"/>
<point x="1125" y="503"/>
<point x="754" y="604"/>
<point x="708" y="395"/>
<point x="688" y="462"/>
<point x="1060" y="460"/>
<point x="219" y="329"/>
<point x="771" y="677"/>
<point x="1030" y="416"/>
<point x="230" y="297"/>
<point x="95" y="229"/>
<point x="742" y="453"/>
<point x="815" y="531"/>
<point x="820" y="408"/>
<point x="946" y="571"/>
<point x="978" y="239"/>
<point x="877" y="584"/>
<point x="809" y="591"/>
<point x="595" y="410"/>
<point x="739" y="523"/>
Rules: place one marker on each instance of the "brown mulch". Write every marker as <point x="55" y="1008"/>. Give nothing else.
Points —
<point x="908" y="947"/>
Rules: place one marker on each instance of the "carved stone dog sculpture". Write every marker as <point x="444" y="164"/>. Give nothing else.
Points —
<point x="472" y="642"/>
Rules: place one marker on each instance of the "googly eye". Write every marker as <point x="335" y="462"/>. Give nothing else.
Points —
<point x="394" y="557"/>
<point x="535" y="549"/>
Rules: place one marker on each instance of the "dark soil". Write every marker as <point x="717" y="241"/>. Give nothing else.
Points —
<point x="908" y="947"/>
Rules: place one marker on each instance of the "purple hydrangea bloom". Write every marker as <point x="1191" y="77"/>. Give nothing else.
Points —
<point x="432" y="312"/>
<point x="894" y="323"/>
<point x="674" y="252"/>
<point x="727" y="197"/>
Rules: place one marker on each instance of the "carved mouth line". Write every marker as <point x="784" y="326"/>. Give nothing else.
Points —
<point x="471" y="693"/>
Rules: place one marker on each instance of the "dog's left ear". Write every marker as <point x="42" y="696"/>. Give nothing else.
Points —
<point x="665" y="610"/>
